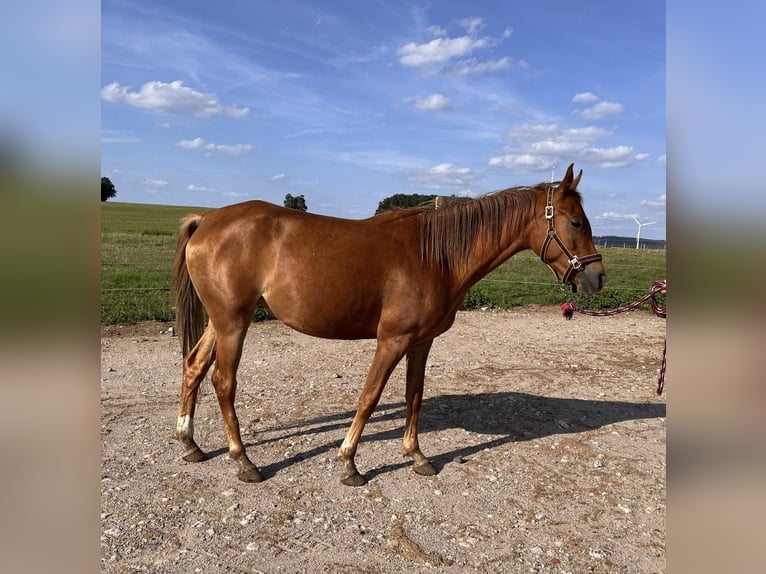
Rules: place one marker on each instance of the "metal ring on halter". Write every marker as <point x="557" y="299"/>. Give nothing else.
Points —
<point x="575" y="263"/>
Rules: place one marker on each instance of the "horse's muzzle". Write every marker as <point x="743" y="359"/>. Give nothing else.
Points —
<point x="589" y="280"/>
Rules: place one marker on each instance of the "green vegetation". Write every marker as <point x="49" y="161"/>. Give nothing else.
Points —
<point x="137" y="249"/>
<point x="523" y="280"/>
<point x="108" y="191"/>
<point x="403" y="200"/>
<point x="138" y="245"/>
<point x="296" y="202"/>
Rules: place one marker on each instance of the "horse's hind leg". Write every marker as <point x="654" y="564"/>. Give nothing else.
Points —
<point x="196" y="365"/>
<point x="224" y="380"/>
<point x="416" y="369"/>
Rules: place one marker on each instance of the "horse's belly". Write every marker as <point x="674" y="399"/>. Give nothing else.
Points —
<point x="328" y="320"/>
<point x="330" y="330"/>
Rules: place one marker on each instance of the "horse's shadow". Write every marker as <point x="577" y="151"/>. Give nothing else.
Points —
<point x="509" y="417"/>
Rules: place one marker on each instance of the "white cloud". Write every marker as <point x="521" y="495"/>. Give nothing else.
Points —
<point x="278" y="176"/>
<point x="523" y="161"/>
<point x="170" y="97"/>
<point x="601" y="110"/>
<point x="589" y="133"/>
<point x="660" y="202"/>
<point x="430" y="103"/>
<point x="473" y="66"/>
<point x="233" y="150"/>
<point x="615" y="215"/>
<point x="585" y="98"/>
<point x="192" y="187"/>
<point x="156" y="182"/>
<point x="444" y="168"/>
<point x="436" y="31"/>
<point x="527" y="132"/>
<point x="471" y="25"/>
<point x="554" y="147"/>
<point x="199" y="143"/>
<point x="118" y="136"/>
<point x="191" y="144"/>
<point x="618" y="156"/>
<point x="446" y="175"/>
<point x="542" y="146"/>
<point x="661" y="160"/>
<point x="535" y="132"/>
<point x="439" y="51"/>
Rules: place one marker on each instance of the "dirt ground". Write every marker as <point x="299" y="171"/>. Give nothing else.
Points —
<point x="547" y="435"/>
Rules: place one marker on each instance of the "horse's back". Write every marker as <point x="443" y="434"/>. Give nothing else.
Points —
<point x="261" y="217"/>
<point x="261" y="225"/>
<point x="325" y="276"/>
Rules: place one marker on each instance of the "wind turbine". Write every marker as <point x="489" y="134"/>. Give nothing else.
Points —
<point x="640" y="225"/>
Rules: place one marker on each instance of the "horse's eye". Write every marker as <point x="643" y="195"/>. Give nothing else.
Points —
<point x="576" y="223"/>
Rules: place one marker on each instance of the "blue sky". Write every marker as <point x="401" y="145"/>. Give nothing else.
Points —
<point x="346" y="103"/>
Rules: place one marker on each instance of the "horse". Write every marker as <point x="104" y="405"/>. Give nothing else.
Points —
<point x="398" y="277"/>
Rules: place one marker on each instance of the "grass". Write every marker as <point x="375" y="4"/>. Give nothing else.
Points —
<point x="523" y="279"/>
<point x="138" y="245"/>
<point x="137" y="249"/>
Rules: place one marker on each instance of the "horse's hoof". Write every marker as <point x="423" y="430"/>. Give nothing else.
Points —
<point x="425" y="469"/>
<point x="195" y="455"/>
<point x="250" y="475"/>
<point x="355" y="479"/>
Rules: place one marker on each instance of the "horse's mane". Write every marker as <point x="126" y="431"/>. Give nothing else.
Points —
<point x="449" y="232"/>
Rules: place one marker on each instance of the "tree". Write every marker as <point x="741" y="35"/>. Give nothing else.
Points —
<point x="407" y="200"/>
<point x="108" y="190"/>
<point x="298" y="202"/>
<point x="403" y="200"/>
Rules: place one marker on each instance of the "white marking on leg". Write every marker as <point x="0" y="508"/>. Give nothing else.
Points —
<point x="185" y="426"/>
<point x="347" y="450"/>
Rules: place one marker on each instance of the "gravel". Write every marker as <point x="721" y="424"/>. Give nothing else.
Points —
<point x="547" y="435"/>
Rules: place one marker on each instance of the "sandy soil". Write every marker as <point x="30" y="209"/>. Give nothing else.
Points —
<point x="547" y="435"/>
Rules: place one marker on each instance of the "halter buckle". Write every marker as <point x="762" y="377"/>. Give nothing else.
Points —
<point x="548" y="212"/>
<point x="575" y="263"/>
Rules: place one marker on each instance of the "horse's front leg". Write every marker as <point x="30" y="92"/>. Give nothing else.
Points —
<point x="416" y="370"/>
<point x="388" y="353"/>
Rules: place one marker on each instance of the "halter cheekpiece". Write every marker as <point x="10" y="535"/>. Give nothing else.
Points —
<point x="575" y="263"/>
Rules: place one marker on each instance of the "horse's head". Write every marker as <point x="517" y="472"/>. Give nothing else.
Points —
<point x="562" y="236"/>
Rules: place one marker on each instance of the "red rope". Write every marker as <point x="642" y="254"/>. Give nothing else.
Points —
<point x="658" y="287"/>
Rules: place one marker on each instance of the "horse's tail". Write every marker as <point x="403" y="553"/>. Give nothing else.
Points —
<point x="190" y="314"/>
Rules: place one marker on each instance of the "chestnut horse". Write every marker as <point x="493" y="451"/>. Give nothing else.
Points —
<point x="398" y="277"/>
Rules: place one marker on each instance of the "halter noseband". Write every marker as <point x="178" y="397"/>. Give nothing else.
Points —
<point x="575" y="263"/>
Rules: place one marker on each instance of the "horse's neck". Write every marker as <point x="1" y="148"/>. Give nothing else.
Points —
<point x="484" y="261"/>
<point x="514" y="235"/>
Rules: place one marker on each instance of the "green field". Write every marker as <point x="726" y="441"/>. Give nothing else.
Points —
<point x="137" y="249"/>
<point x="138" y="245"/>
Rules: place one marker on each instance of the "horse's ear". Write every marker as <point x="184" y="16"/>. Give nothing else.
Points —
<point x="576" y="180"/>
<point x="567" y="181"/>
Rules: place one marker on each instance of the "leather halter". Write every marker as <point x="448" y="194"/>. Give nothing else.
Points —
<point x="575" y="263"/>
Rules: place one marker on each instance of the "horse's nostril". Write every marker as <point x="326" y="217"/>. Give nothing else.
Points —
<point x="601" y="279"/>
